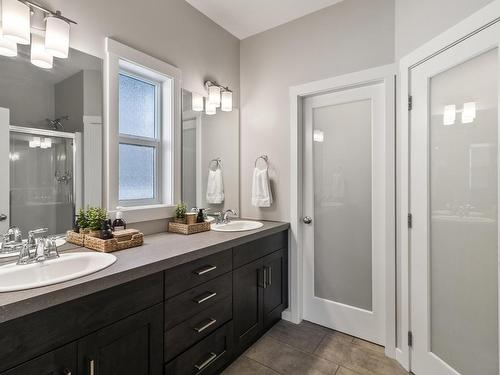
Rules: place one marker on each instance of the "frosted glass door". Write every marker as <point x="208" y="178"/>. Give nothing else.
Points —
<point x="344" y="192"/>
<point x="455" y="206"/>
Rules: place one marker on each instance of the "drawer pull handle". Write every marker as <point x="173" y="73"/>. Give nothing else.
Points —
<point x="205" y="270"/>
<point x="212" y="358"/>
<point x="205" y="297"/>
<point x="210" y="322"/>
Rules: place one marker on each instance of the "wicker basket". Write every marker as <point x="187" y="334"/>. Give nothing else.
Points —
<point x="188" y="228"/>
<point x="75" y="238"/>
<point x="108" y="246"/>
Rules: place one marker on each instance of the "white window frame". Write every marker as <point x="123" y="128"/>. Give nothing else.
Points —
<point x="121" y="58"/>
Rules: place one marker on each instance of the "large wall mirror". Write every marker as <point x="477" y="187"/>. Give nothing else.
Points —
<point x="210" y="158"/>
<point x="52" y="127"/>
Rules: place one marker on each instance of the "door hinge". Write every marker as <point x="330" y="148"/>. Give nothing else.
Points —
<point x="410" y="221"/>
<point x="410" y="339"/>
<point x="410" y="102"/>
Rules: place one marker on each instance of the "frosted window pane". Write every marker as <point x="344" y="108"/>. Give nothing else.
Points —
<point x="137" y="107"/>
<point x="137" y="166"/>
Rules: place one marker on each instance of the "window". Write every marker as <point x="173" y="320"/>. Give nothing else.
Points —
<point x="142" y="134"/>
<point x="140" y="140"/>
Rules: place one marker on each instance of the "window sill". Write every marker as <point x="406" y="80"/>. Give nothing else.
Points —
<point x="138" y="214"/>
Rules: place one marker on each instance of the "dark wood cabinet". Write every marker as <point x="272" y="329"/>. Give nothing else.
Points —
<point x="260" y="294"/>
<point x="61" y="361"/>
<point x="133" y="345"/>
<point x="275" y="286"/>
<point x="248" y="304"/>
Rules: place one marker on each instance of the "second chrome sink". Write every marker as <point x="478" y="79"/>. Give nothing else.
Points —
<point x="67" y="267"/>
<point x="237" y="226"/>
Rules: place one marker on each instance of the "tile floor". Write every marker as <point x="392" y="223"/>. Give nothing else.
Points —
<point x="309" y="349"/>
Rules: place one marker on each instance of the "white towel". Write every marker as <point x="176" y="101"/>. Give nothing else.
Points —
<point x="215" y="187"/>
<point x="261" y="188"/>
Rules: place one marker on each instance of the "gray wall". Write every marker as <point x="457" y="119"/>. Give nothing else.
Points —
<point x="171" y="30"/>
<point x="350" y="36"/>
<point x="419" y="21"/>
<point x="69" y="102"/>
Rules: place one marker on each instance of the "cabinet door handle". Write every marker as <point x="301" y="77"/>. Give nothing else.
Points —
<point x="205" y="270"/>
<point x="210" y="322"/>
<point x="266" y="277"/>
<point x="91" y="367"/>
<point x="270" y="276"/>
<point x="205" y="297"/>
<point x="212" y="357"/>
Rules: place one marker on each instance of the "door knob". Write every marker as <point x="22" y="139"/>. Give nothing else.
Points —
<point x="3" y="217"/>
<point x="307" y="220"/>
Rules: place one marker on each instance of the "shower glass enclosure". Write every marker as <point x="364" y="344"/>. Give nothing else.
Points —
<point x="42" y="176"/>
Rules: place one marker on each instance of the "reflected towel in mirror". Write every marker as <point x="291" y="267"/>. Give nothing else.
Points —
<point x="215" y="187"/>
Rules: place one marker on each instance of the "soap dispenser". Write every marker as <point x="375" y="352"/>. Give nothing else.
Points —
<point x="119" y="223"/>
<point x="201" y="215"/>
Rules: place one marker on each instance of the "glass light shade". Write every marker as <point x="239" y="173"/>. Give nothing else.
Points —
<point x="450" y="114"/>
<point x="39" y="56"/>
<point x="57" y="37"/>
<point x="214" y="96"/>
<point x="227" y="101"/>
<point x="210" y="109"/>
<point x="197" y="102"/>
<point x="469" y="113"/>
<point x="16" y="21"/>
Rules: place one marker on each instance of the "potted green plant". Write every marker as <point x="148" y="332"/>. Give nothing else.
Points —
<point x="95" y="216"/>
<point x="81" y="223"/>
<point x="180" y="213"/>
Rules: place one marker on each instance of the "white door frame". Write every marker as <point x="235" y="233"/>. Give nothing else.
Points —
<point x="383" y="74"/>
<point x="471" y="25"/>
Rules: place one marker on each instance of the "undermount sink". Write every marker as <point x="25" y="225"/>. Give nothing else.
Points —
<point x="237" y="226"/>
<point x="67" y="267"/>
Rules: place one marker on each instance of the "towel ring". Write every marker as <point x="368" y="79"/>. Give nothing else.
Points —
<point x="263" y="157"/>
<point x="217" y="165"/>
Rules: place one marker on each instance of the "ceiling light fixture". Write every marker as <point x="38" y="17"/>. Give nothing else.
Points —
<point x="57" y="36"/>
<point x="16" y="21"/>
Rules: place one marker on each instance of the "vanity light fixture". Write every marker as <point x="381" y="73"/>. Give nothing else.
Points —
<point x="16" y="28"/>
<point x="39" y="55"/>
<point x="469" y="112"/>
<point x="450" y="114"/>
<point x="218" y="97"/>
<point x="197" y="102"/>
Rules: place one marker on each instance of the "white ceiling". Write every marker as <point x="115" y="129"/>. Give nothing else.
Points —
<point x="244" y="18"/>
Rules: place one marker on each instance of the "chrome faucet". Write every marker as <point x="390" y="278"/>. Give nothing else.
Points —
<point x="225" y="216"/>
<point x="11" y="241"/>
<point x="38" y="249"/>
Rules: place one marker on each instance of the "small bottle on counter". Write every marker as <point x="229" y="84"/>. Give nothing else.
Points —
<point x="106" y="232"/>
<point x="119" y="223"/>
<point x="201" y="215"/>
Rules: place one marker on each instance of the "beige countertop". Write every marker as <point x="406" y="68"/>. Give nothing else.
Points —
<point x="160" y="252"/>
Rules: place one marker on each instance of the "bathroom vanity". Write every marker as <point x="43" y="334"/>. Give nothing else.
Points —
<point x="177" y="305"/>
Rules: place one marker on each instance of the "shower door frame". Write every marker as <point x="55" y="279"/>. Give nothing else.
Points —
<point x="55" y="134"/>
<point x="478" y="21"/>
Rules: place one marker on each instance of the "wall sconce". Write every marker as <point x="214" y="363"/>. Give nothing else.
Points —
<point x="218" y="97"/>
<point x="16" y="28"/>
<point x="210" y="109"/>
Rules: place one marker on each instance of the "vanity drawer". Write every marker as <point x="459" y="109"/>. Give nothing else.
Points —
<point x="251" y="251"/>
<point x="197" y="272"/>
<point x="196" y="300"/>
<point x="209" y="356"/>
<point x="196" y="328"/>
